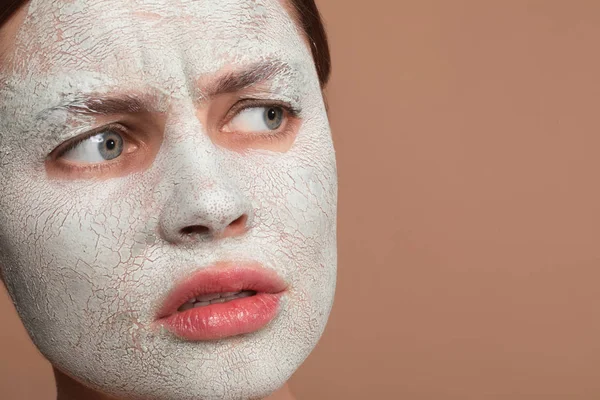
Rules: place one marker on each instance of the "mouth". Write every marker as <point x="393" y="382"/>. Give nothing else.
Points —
<point x="222" y="301"/>
<point x="214" y="298"/>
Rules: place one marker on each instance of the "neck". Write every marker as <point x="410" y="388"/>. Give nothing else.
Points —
<point x="70" y="389"/>
<point x="282" y="394"/>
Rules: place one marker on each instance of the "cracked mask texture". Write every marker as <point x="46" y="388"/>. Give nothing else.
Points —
<point x="87" y="262"/>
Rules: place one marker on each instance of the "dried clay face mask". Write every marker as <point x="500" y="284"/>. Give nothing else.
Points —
<point x="89" y="258"/>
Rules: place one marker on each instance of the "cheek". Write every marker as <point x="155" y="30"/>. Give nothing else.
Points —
<point x="295" y="199"/>
<point x="298" y="190"/>
<point x="63" y="251"/>
<point x="74" y="260"/>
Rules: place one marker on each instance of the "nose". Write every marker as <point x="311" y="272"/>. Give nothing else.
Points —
<point x="205" y="202"/>
<point x="199" y="211"/>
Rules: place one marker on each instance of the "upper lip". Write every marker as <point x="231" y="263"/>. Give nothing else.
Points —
<point x="218" y="278"/>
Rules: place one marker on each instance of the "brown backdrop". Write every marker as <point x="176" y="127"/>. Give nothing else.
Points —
<point x="468" y="136"/>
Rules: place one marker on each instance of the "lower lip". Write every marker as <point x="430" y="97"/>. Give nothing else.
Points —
<point x="221" y="320"/>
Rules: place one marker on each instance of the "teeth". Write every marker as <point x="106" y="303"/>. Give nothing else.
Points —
<point x="208" y="297"/>
<point x="214" y="298"/>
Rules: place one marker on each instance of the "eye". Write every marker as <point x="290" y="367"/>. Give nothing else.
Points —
<point x="257" y="119"/>
<point x="103" y="146"/>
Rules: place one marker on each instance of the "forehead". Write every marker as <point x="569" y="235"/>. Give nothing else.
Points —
<point x="155" y="39"/>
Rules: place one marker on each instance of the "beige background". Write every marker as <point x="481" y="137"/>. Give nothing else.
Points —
<point x="468" y="136"/>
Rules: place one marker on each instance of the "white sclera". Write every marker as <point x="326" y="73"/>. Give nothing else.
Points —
<point x="252" y="119"/>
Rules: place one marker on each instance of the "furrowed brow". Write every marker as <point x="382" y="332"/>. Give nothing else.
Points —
<point x="230" y="82"/>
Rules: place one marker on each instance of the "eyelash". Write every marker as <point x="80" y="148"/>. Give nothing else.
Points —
<point x="290" y="112"/>
<point x="120" y="128"/>
<point x="98" y="168"/>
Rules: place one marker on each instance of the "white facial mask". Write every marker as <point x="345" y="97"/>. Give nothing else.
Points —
<point x="87" y="261"/>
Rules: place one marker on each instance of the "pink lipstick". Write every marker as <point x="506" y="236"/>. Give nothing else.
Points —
<point x="220" y="301"/>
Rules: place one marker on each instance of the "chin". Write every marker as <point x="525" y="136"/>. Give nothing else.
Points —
<point x="126" y="360"/>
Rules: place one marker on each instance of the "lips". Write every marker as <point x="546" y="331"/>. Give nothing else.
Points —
<point x="224" y="300"/>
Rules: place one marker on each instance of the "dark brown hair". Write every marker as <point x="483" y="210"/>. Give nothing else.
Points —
<point x="305" y="11"/>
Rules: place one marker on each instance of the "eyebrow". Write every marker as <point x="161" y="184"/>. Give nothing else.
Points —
<point x="130" y="103"/>
<point x="236" y="81"/>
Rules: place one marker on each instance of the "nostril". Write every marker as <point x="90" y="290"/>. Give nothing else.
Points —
<point x="239" y="223"/>
<point x="236" y="227"/>
<point x="195" y="229"/>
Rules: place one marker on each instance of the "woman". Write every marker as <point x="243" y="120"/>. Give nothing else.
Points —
<point x="169" y="191"/>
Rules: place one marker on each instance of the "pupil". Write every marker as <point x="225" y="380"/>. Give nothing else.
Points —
<point x="110" y="144"/>
<point x="271" y="114"/>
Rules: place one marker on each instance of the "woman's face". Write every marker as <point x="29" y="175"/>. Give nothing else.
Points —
<point x="141" y="142"/>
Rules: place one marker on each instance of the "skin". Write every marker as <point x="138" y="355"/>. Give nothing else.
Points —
<point x="89" y="252"/>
